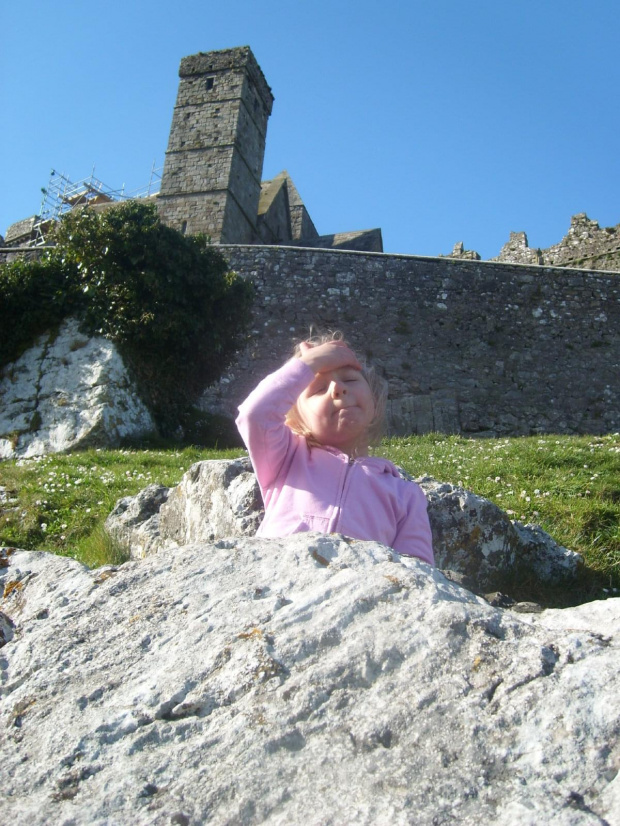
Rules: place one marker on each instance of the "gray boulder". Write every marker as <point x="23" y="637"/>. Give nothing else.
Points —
<point x="213" y="500"/>
<point x="67" y="392"/>
<point x="311" y="679"/>
<point x="135" y="522"/>
<point x="476" y="538"/>
<point x="472" y="537"/>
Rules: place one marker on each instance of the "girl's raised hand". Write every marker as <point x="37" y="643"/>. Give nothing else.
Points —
<point x="321" y="358"/>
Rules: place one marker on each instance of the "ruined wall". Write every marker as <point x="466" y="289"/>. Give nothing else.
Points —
<point x="467" y="346"/>
<point x="586" y="246"/>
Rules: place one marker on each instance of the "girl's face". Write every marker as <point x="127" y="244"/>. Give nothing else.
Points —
<point x="337" y="407"/>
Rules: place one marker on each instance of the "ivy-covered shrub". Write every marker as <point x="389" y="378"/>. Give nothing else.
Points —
<point x="35" y="296"/>
<point x="169" y="302"/>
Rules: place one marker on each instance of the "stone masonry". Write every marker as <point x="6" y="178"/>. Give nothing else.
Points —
<point x="212" y="174"/>
<point x="467" y="346"/>
<point x="585" y="246"/>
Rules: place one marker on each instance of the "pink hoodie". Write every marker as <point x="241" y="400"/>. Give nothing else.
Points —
<point x="320" y="488"/>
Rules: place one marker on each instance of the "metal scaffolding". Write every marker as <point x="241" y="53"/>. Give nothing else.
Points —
<point x="61" y="195"/>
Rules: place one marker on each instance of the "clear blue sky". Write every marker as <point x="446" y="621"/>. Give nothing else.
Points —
<point x="437" y="121"/>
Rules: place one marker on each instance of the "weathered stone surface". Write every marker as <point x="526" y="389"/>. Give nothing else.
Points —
<point x="585" y="245"/>
<point x="213" y="500"/>
<point x="135" y="524"/>
<point x="473" y="536"/>
<point x="305" y="680"/>
<point x="218" y="499"/>
<point x="6" y="629"/>
<point x="548" y="560"/>
<point x="68" y="391"/>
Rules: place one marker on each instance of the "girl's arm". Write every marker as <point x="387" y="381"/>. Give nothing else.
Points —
<point x="261" y="419"/>
<point x="262" y="414"/>
<point x="414" y="536"/>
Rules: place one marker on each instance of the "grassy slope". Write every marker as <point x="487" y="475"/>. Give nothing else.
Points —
<point x="568" y="485"/>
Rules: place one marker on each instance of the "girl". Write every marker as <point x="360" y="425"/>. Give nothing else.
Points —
<point x="307" y="428"/>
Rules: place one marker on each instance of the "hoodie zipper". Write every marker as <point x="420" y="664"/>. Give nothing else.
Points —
<point x="345" y="482"/>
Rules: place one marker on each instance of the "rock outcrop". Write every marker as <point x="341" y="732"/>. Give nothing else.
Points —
<point x="214" y="499"/>
<point x="221" y="498"/>
<point x="67" y="392"/>
<point x="303" y="680"/>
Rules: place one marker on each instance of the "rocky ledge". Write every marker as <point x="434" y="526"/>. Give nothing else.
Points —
<point x="311" y="679"/>
<point x="472" y="538"/>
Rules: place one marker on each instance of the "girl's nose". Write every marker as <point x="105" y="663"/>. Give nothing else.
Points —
<point x="338" y="389"/>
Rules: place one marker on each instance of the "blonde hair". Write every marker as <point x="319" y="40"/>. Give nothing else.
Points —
<point x="378" y="389"/>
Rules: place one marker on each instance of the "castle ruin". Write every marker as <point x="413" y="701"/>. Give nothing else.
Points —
<point x="528" y="342"/>
<point x="211" y="182"/>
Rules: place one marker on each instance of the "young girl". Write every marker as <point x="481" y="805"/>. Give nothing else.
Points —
<point x="307" y="428"/>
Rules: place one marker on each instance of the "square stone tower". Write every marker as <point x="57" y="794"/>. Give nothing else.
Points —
<point x="211" y="181"/>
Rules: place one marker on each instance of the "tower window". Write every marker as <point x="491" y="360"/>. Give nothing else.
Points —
<point x="184" y="227"/>
<point x="209" y="83"/>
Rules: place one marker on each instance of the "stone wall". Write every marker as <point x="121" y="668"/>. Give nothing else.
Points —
<point x="585" y="246"/>
<point x="467" y="346"/>
<point x="21" y="231"/>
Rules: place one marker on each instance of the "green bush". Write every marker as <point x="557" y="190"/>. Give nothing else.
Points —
<point x="35" y="296"/>
<point x="169" y="302"/>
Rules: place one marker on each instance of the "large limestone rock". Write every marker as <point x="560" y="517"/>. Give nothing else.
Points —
<point x="475" y="537"/>
<point x="213" y="500"/>
<point x="68" y="391"/>
<point x="303" y="680"/>
<point x="216" y="499"/>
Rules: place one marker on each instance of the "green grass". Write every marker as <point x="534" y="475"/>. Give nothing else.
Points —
<point x="567" y="484"/>
<point x="59" y="502"/>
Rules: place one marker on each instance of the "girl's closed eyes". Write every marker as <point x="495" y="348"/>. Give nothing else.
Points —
<point x="311" y="458"/>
